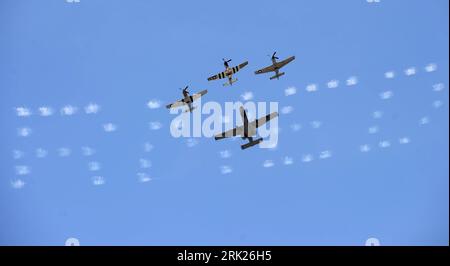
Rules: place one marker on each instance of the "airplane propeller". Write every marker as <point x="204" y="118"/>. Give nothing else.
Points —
<point x="185" y="89"/>
<point x="273" y="56"/>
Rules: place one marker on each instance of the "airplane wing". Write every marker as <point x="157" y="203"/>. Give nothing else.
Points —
<point x="198" y="95"/>
<point x="261" y="121"/>
<point x="230" y="133"/>
<point x="221" y="75"/>
<point x="182" y="102"/>
<point x="285" y="61"/>
<point x="265" y="70"/>
<point x="272" y="67"/>
<point x="176" y="104"/>
<point x="239" y="67"/>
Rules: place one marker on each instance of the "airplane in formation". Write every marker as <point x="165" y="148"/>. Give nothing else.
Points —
<point x="275" y="67"/>
<point x="187" y="99"/>
<point x="228" y="73"/>
<point x="248" y="129"/>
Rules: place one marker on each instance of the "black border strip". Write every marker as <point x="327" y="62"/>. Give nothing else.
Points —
<point x="170" y="254"/>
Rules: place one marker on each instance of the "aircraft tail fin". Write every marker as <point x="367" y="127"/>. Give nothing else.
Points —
<point x="230" y="82"/>
<point x="277" y="76"/>
<point x="251" y="144"/>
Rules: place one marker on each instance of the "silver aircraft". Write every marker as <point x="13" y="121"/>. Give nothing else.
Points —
<point x="248" y="129"/>
<point x="228" y="73"/>
<point x="276" y="66"/>
<point x="187" y="99"/>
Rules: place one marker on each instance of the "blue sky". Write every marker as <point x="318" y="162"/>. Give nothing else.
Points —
<point x="354" y="161"/>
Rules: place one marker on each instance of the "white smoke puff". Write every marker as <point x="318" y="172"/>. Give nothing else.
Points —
<point x="23" y="170"/>
<point x="386" y="95"/>
<point x="91" y="108"/>
<point x="268" y="163"/>
<point x="373" y="130"/>
<point x="247" y="96"/>
<point x="431" y="67"/>
<point x="351" y="81"/>
<point x="148" y="147"/>
<point x="225" y="154"/>
<point x="311" y="88"/>
<point x="144" y="163"/>
<point x="410" y="71"/>
<point x="290" y="91"/>
<point x="24" y="131"/>
<point x="424" y="120"/>
<point x="225" y="169"/>
<point x="69" y="110"/>
<point x="94" y="166"/>
<point x="17" y="184"/>
<point x="98" y="180"/>
<point x="364" y="148"/>
<point x="332" y="84"/>
<point x="384" y="144"/>
<point x="404" y="140"/>
<point x="316" y="124"/>
<point x="296" y="127"/>
<point x="437" y="104"/>
<point x="45" y="111"/>
<point x="287" y="110"/>
<point x="191" y="142"/>
<point x="438" y="87"/>
<point x="41" y="153"/>
<point x="144" y="178"/>
<point x="377" y="114"/>
<point x="64" y="152"/>
<point x="17" y="154"/>
<point x="23" y="112"/>
<point x="307" y="158"/>
<point x="389" y="75"/>
<point x="155" y="125"/>
<point x="288" y="160"/>
<point x="325" y="154"/>
<point x="109" y="127"/>
<point x="87" y="151"/>
<point x="154" y="104"/>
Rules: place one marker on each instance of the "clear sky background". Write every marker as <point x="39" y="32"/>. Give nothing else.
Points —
<point x="353" y="162"/>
